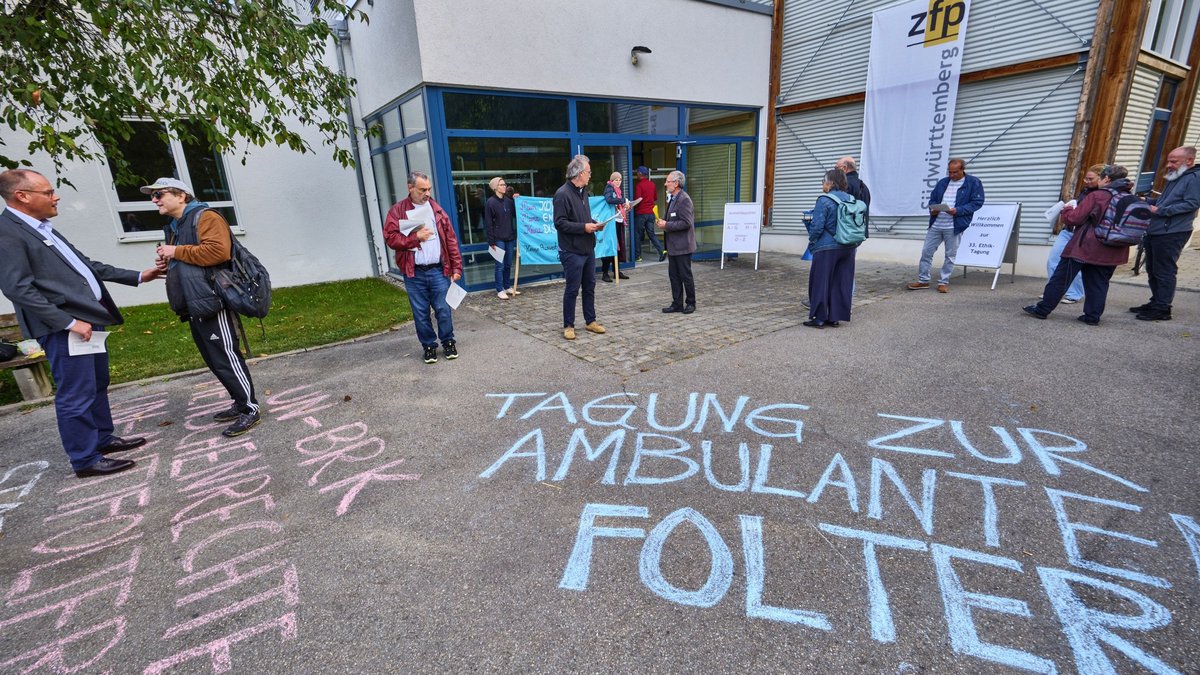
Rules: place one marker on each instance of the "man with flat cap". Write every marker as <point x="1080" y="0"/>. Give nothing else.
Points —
<point x="59" y="293"/>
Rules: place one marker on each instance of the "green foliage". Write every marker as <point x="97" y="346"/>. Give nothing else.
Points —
<point x="222" y="73"/>
<point x="153" y="342"/>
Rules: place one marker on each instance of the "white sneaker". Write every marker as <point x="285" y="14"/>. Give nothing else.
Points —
<point x="502" y="295"/>
<point x="513" y="291"/>
<point x="1068" y="301"/>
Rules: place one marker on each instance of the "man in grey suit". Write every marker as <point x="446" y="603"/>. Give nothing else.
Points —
<point x="679" y="238"/>
<point x="57" y="291"/>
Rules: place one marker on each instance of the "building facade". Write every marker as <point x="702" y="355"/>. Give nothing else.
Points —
<point x="1046" y="89"/>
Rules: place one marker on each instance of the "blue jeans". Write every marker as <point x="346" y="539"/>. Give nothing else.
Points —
<point x="645" y="223"/>
<point x="427" y="290"/>
<point x="504" y="269"/>
<point x="934" y="238"/>
<point x="1075" y="290"/>
<point x="579" y="271"/>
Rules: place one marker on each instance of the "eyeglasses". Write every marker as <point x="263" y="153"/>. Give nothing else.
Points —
<point x="47" y="193"/>
<point x="158" y="194"/>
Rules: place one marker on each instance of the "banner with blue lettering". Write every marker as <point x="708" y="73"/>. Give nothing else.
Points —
<point x="537" y="240"/>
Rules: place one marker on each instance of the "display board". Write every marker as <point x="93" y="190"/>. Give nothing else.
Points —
<point x="740" y="229"/>
<point x="991" y="240"/>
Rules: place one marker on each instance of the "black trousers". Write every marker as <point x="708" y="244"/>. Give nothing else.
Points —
<point x="217" y="340"/>
<point x="1095" y="286"/>
<point x="1162" y="265"/>
<point x="683" y="287"/>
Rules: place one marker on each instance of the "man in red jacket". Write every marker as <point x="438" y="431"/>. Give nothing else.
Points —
<point x="428" y="257"/>
<point x="643" y="213"/>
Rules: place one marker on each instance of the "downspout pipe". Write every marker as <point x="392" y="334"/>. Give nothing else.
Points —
<point x="343" y="38"/>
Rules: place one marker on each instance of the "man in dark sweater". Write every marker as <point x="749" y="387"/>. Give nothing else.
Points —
<point x="577" y="245"/>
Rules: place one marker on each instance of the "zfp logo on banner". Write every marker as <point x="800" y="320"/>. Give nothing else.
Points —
<point x="939" y="24"/>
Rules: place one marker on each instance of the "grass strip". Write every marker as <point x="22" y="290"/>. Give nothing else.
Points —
<point x="153" y="342"/>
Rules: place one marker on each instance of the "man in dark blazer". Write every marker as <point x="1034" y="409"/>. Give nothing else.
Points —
<point x="57" y="291"/>
<point x="679" y="239"/>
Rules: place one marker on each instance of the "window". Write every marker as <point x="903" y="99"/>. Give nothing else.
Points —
<point x="504" y="113"/>
<point x="1170" y="28"/>
<point x="195" y="163"/>
<point x="720" y="122"/>
<point x="627" y="118"/>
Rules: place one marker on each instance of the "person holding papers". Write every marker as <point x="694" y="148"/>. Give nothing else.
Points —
<point x="500" y="224"/>
<point x="1085" y="253"/>
<point x="952" y="206"/>
<point x="427" y="254"/>
<point x="577" y="245"/>
<point x="679" y="238"/>
<point x="1091" y="182"/>
<point x="57" y="291"/>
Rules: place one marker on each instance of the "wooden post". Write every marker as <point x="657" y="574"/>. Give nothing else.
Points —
<point x="1121" y="29"/>
<point x="772" y="129"/>
<point x="517" y="270"/>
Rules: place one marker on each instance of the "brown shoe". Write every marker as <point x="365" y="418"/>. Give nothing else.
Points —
<point x="917" y="285"/>
<point x="569" y="332"/>
<point x="943" y="288"/>
<point x="595" y="327"/>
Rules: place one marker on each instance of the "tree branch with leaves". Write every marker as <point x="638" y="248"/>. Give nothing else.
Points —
<point x="221" y="72"/>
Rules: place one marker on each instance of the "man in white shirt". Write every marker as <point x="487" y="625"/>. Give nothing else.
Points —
<point x="960" y="196"/>
<point x="57" y="291"/>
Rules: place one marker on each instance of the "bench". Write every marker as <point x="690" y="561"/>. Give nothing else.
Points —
<point x="32" y="374"/>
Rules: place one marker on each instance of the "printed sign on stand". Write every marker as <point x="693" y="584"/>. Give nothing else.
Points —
<point x="991" y="240"/>
<point x="741" y="229"/>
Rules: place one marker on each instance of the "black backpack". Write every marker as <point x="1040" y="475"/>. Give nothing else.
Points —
<point x="243" y="284"/>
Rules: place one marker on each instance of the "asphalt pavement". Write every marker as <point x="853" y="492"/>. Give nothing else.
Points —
<point x="942" y="484"/>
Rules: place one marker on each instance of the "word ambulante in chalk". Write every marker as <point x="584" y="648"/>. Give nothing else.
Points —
<point x="606" y="432"/>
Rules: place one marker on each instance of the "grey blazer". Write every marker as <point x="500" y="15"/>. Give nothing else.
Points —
<point x="680" y="235"/>
<point x="45" y="290"/>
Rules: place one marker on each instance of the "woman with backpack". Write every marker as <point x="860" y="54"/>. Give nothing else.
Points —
<point x="1091" y="183"/>
<point x="1085" y="253"/>
<point x="831" y="276"/>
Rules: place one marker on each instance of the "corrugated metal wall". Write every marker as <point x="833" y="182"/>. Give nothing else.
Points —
<point x="823" y="58"/>
<point x="1014" y="141"/>
<point x="1192" y="135"/>
<point x="1142" y="94"/>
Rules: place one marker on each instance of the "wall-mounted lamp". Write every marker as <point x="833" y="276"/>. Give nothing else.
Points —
<point x="633" y="53"/>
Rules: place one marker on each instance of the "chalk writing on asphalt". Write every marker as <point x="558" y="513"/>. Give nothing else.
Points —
<point x="637" y="443"/>
<point x="232" y="577"/>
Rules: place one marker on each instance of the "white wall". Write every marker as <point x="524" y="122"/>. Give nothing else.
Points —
<point x="702" y="52"/>
<point x="1031" y="260"/>
<point x="386" y="51"/>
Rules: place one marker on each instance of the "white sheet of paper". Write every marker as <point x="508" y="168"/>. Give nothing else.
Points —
<point x="1073" y="204"/>
<point x="407" y="226"/>
<point x="497" y="253"/>
<point x="77" y="347"/>
<point x="422" y="214"/>
<point x="1051" y="214"/>
<point x="455" y="295"/>
<point x="939" y="207"/>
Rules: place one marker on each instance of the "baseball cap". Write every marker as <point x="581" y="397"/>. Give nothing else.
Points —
<point x="166" y="182"/>
<point x="644" y="171"/>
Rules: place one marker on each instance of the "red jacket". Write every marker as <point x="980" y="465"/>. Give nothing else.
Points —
<point x="1084" y="246"/>
<point x="406" y="244"/>
<point x="648" y="193"/>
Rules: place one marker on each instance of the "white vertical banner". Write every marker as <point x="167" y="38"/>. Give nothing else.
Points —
<point x="912" y="85"/>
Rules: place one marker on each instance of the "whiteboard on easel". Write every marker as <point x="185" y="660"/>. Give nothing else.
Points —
<point x="741" y="227"/>
<point x="985" y="242"/>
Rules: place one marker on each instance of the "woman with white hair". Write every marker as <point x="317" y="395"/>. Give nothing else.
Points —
<point x="613" y="195"/>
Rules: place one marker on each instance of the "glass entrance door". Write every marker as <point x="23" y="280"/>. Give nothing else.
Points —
<point x="607" y="159"/>
<point x="712" y="181"/>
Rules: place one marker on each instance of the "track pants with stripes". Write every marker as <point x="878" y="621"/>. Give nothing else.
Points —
<point x="217" y="340"/>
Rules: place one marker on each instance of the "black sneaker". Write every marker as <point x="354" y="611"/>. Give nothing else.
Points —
<point x="229" y="415"/>
<point x="1140" y="308"/>
<point x="451" y="350"/>
<point x="245" y="422"/>
<point x="431" y="355"/>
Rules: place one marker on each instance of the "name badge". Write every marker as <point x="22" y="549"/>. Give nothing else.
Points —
<point x="47" y="242"/>
<point x="673" y="214"/>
